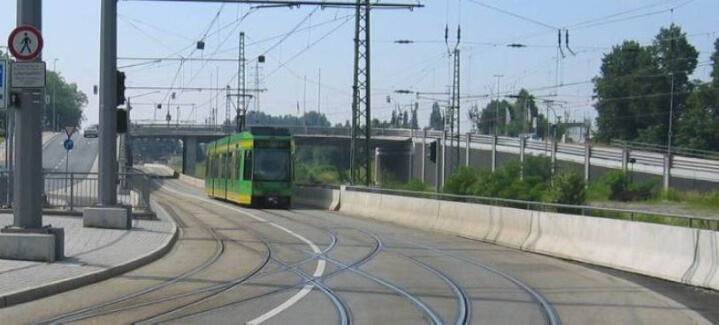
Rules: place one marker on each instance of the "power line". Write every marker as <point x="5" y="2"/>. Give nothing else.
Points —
<point x="513" y="14"/>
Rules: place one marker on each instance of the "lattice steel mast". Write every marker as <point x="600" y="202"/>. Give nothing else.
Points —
<point x="361" y="102"/>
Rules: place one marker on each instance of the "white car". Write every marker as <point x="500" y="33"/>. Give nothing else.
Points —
<point x="90" y="133"/>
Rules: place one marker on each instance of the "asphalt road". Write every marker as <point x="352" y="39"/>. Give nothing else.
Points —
<point x="233" y="265"/>
<point x="82" y="156"/>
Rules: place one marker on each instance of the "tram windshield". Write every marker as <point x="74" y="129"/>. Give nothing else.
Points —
<point x="272" y="165"/>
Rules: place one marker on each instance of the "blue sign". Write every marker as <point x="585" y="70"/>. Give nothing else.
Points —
<point x="68" y="144"/>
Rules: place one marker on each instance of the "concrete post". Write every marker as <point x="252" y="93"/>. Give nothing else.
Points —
<point x="522" y="145"/>
<point x="107" y="188"/>
<point x="494" y="153"/>
<point x="424" y="153"/>
<point x="625" y="159"/>
<point x="587" y="163"/>
<point x="28" y="183"/>
<point x="554" y="156"/>
<point x="189" y="156"/>
<point x="667" y="171"/>
<point x="468" y="149"/>
<point x="444" y="157"/>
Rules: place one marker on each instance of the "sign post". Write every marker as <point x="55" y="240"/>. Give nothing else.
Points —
<point x="68" y="144"/>
<point x="3" y="84"/>
<point x="25" y="44"/>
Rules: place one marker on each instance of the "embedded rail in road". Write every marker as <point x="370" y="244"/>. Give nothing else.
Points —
<point x="234" y="265"/>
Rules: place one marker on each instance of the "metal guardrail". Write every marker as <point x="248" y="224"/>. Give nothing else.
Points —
<point x="580" y="210"/>
<point x="74" y="191"/>
<point x="656" y="148"/>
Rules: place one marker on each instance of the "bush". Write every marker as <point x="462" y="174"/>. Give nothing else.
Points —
<point x="620" y="189"/>
<point x="569" y="188"/>
<point x="461" y="182"/>
<point x="616" y="181"/>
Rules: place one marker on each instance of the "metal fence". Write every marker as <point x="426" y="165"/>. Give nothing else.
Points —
<point x="588" y="211"/>
<point x="74" y="191"/>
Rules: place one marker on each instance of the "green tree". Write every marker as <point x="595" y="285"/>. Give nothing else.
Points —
<point x="414" y="123"/>
<point x="488" y="119"/>
<point x="436" y="119"/>
<point x="634" y="87"/>
<point x="623" y="91"/>
<point x="715" y="66"/>
<point x="69" y="101"/>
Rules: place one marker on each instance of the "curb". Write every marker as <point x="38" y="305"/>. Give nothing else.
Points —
<point x="59" y="286"/>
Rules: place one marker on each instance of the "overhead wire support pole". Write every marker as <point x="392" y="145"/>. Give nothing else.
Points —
<point x="241" y="108"/>
<point x="361" y="101"/>
<point x="107" y="190"/>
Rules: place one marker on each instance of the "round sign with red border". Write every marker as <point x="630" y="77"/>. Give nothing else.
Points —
<point x="25" y="43"/>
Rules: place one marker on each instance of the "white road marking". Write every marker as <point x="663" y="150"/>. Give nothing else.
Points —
<point x="299" y="295"/>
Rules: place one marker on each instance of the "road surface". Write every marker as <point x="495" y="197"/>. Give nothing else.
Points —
<point x="239" y="266"/>
<point x="82" y="156"/>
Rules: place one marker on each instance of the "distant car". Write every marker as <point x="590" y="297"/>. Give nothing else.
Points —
<point x="90" y="133"/>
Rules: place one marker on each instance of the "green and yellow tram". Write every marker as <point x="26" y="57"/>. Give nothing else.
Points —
<point x="251" y="168"/>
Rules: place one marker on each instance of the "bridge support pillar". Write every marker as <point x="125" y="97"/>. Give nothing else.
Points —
<point x="587" y="163"/>
<point x="189" y="156"/>
<point x="444" y="158"/>
<point x="424" y="153"/>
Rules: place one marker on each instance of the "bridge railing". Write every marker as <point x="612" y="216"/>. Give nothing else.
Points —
<point x="655" y="148"/>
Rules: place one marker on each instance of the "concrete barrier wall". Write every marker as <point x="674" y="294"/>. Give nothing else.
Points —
<point x="317" y="198"/>
<point x="192" y="181"/>
<point x="678" y="254"/>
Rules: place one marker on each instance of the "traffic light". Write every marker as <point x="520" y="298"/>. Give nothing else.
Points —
<point x="121" y="120"/>
<point x="120" y="88"/>
<point x="433" y="152"/>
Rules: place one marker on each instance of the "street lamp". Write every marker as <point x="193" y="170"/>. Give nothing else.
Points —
<point x="54" y="90"/>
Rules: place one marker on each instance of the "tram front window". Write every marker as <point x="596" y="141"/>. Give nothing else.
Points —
<point x="272" y="165"/>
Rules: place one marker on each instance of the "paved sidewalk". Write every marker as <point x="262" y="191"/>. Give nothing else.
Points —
<point x="91" y="255"/>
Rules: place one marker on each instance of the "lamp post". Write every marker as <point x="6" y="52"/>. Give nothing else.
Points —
<point x="54" y="90"/>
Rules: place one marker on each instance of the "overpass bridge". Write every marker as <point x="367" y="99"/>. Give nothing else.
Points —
<point x="403" y="152"/>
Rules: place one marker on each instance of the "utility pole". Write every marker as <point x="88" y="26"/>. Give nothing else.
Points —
<point x="361" y="99"/>
<point x="496" y="107"/>
<point x="454" y="113"/>
<point x="241" y="86"/>
<point x="54" y="101"/>
<point x="107" y="190"/>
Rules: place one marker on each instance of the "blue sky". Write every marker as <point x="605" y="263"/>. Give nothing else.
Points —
<point x="322" y="39"/>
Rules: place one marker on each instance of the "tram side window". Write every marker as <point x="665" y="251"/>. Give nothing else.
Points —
<point x="247" y="172"/>
<point x="208" y="168"/>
